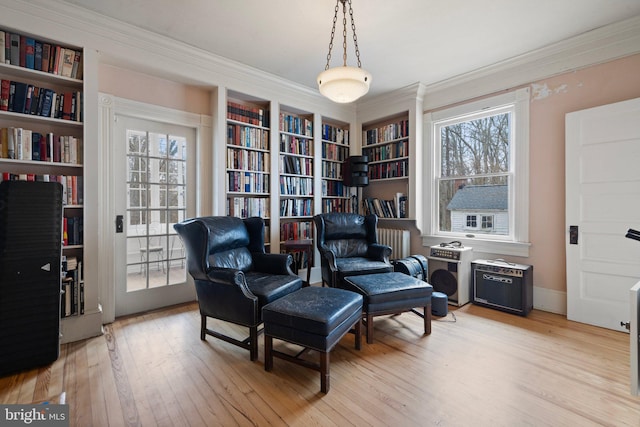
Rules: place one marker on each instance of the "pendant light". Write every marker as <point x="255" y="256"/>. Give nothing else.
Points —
<point x="344" y="83"/>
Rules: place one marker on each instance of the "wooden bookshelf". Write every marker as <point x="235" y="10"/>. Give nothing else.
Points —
<point x="336" y="197"/>
<point x="296" y="179"/>
<point x="386" y="144"/>
<point x="41" y="137"/>
<point x="248" y="150"/>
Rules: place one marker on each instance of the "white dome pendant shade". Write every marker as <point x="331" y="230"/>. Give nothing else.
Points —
<point x="344" y="84"/>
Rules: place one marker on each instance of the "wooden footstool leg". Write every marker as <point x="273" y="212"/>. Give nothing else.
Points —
<point x="268" y="354"/>
<point x="369" y="329"/>
<point x="427" y="319"/>
<point x="324" y="372"/>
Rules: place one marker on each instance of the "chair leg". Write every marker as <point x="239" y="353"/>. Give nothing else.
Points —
<point x="203" y="327"/>
<point x="253" y="343"/>
<point x="358" y="334"/>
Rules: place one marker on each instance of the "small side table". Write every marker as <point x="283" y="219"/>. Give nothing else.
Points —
<point x="302" y="246"/>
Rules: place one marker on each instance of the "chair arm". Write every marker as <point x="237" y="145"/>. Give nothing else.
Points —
<point x="272" y="263"/>
<point x="330" y="257"/>
<point x="379" y="252"/>
<point x="230" y="276"/>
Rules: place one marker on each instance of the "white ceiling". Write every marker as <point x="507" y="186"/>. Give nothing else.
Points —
<point x="401" y="42"/>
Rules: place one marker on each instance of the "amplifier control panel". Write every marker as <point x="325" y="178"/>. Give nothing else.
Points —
<point x="445" y="253"/>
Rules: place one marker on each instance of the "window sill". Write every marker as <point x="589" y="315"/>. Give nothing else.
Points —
<point x="493" y="247"/>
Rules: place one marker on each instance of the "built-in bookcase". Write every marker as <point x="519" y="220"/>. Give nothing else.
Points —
<point x="336" y="197"/>
<point x="41" y="137"/>
<point x="296" y="179"/>
<point x="248" y="150"/>
<point x="386" y="144"/>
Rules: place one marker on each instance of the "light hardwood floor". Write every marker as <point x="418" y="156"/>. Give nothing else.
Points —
<point x="486" y="369"/>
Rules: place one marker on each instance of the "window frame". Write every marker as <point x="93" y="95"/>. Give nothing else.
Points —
<point x="517" y="242"/>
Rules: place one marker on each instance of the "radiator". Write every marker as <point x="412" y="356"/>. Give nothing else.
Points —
<point x="399" y="240"/>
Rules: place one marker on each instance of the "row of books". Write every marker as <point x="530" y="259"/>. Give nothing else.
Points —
<point x="300" y="260"/>
<point x="388" y="151"/>
<point x="245" y="136"/>
<point x="296" y="230"/>
<point x="391" y="169"/>
<point x="294" y="145"/>
<point x="387" y="133"/>
<point x="337" y="205"/>
<point x="25" y="144"/>
<point x="245" y="207"/>
<point x="72" y="300"/>
<point x="296" y="186"/>
<point x="331" y="170"/>
<point x="25" y="98"/>
<point x="296" y="165"/>
<point x="247" y="114"/>
<point x="334" y="152"/>
<point x="294" y="124"/>
<point x="392" y="208"/>
<point x="296" y="207"/>
<point x="335" y="134"/>
<point x="249" y="182"/>
<point x="248" y="160"/>
<point x="24" y="51"/>
<point x="335" y="189"/>
<point x="72" y="186"/>
<point x="72" y="230"/>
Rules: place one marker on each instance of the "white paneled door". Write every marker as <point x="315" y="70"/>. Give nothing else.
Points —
<point x="602" y="202"/>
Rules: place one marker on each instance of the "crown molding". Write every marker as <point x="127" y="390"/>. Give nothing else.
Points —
<point x="403" y="99"/>
<point x="601" y="45"/>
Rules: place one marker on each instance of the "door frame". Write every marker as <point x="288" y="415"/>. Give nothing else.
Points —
<point x="110" y="106"/>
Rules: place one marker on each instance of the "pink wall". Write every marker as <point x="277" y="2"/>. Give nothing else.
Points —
<point x="153" y="90"/>
<point x="551" y="100"/>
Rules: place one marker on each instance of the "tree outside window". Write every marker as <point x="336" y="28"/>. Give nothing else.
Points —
<point x="474" y="156"/>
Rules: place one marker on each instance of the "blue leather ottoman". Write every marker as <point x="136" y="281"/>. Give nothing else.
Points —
<point x="315" y="318"/>
<point x="391" y="293"/>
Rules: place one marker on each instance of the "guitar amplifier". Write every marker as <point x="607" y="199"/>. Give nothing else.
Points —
<point x="503" y="285"/>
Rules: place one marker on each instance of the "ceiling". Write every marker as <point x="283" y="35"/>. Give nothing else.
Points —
<point x="401" y="42"/>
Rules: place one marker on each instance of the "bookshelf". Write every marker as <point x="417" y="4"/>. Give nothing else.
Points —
<point x="296" y="178"/>
<point x="386" y="143"/>
<point x="336" y="197"/>
<point x="41" y="138"/>
<point x="248" y="150"/>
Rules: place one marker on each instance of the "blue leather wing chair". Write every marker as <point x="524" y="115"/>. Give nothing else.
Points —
<point x="348" y="246"/>
<point x="233" y="275"/>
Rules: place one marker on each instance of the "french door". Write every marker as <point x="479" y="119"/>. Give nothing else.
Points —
<point x="153" y="179"/>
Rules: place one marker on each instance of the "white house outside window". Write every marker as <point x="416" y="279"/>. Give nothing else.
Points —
<point x="477" y="158"/>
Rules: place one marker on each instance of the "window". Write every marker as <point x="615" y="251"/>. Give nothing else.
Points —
<point x="487" y="222"/>
<point x="477" y="158"/>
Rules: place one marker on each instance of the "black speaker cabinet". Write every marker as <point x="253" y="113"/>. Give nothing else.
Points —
<point x="30" y="268"/>
<point x="502" y="285"/>
<point x="355" y="172"/>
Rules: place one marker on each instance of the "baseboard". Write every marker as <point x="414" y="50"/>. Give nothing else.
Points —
<point x="76" y="328"/>
<point x="550" y="300"/>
